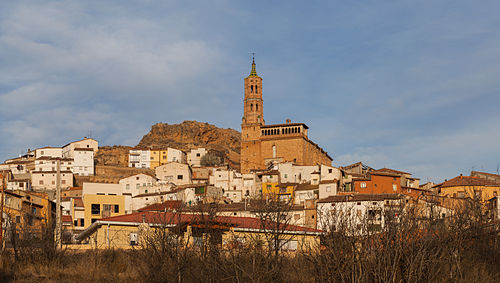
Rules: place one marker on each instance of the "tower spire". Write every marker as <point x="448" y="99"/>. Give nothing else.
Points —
<point x="253" y="73"/>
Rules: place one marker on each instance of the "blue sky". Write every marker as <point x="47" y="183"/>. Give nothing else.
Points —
<point x="410" y="85"/>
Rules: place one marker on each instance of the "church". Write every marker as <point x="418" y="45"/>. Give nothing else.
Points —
<point x="262" y="144"/>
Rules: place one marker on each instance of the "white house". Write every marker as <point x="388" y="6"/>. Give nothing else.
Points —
<point x="358" y="214"/>
<point x="133" y="184"/>
<point x="174" y="172"/>
<point x="46" y="163"/>
<point x="46" y="180"/>
<point x="86" y="143"/>
<point x="47" y="151"/>
<point x="139" y="158"/>
<point x="195" y="155"/>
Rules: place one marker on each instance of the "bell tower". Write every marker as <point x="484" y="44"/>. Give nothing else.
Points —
<point x="253" y="103"/>
<point x="253" y="119"/>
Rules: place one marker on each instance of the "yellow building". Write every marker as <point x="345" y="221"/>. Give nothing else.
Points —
<point x="272" y="188"/>
<point x="158" y="157"/>
<point x="469" y="187"/>
<point x="28" y="212"/>
<point x="102" y="206"/>
<point x="130" y="230"/>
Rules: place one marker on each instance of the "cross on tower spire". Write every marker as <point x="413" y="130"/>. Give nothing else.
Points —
<point x="253" y="72"/>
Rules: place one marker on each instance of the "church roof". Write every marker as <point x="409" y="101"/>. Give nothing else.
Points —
<point x="253" y="72"/>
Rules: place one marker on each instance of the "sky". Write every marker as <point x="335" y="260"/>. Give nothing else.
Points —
<point x="408" y="85"/>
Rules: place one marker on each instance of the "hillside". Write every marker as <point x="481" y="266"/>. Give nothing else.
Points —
<point x="192" y="134"/>
<point x="184" y="136"/>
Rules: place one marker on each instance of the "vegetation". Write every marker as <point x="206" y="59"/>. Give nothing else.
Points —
<point x="460" y="248"/>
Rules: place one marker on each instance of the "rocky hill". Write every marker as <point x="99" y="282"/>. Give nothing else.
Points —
<point x="116" y="155"/>
<point x="192" y="134"/>
<point x="184" y="136"/>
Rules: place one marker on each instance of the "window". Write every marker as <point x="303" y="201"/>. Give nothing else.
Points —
<point x="179" y="177"/>
<point x="96" y="208"/>
<point x="18" y="219"/>
<point x="75" y="223"/>
<point x="274" y="151"/>
<point x="117" y="208"/>
<point x="328" y="188"/>
<point x="394" y="187"/>
<point x="198" y="155"/>
<point x="127" y="186"/>
<point x="63" y="182"/>
<point x="133" y="239"/>
<point x="363" y="185"/>
<point x="461" y="194"/>
<point x="330" y="170"/>
<point x="41" y="182"/>
<point x="53" y="182"/>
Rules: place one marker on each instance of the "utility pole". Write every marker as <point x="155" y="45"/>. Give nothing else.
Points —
<point x="1" y="208"/>
<point x="58" y="205"/>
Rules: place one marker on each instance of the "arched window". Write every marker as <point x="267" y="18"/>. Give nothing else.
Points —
<point x="274" y="151"/>
<point x="256" y="89"/>
<point x="251" y="88"/>
<point x="257" y="107"/>
<point x="251" y="107"/>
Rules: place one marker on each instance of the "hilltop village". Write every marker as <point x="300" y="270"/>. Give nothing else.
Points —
<point x="278" y="164"/>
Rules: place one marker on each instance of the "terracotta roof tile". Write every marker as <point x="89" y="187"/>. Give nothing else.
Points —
<point x="468" y="181"/>
<point x="173" y="218"/>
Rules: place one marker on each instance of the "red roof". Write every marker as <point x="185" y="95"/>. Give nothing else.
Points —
<point x="151" y="217"/>
<point x="468" y="181"/>
<point x="78" y="202"/>
<point x="387" y="170"/>
<point x="67" y="218"/>
<point x="166" y="205"/>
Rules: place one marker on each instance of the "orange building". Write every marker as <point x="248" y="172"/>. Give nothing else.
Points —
<point x="262" y="144"/>
<point x="379" y="183"/>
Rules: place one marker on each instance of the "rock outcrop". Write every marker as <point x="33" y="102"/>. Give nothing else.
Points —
<point x="184" y="136"/>
<point x="192" y="134"/>
<point x="116" y="155"/>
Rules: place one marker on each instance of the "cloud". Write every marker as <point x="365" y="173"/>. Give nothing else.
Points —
<point x="404" y="85"/>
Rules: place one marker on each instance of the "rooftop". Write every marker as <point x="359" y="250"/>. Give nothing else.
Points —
<point x="468" y="181"/>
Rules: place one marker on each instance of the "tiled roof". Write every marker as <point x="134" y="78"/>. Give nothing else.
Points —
<point x="83" y="149"/>
<point x="329" y="181"/>
<point x="67" y="218"/>
<point x="152" y="194"/>
<point x="306" y="187"/>
<point x="78" y="202"/>
<point x="468" y="181"/>
<point x="388" y="170"/>
<point x="174" y="218"/>
<point x="53" y="158"/>
<point x="384" y="173"/>
<point x="166" y="205"/>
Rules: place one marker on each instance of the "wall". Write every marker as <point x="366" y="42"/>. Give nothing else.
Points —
<point x="112" y="200"/>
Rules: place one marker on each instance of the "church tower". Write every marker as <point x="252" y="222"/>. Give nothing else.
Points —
<point x="253" y="119"/>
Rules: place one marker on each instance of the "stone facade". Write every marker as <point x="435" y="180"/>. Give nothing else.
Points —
<point x="261" y="144"/>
